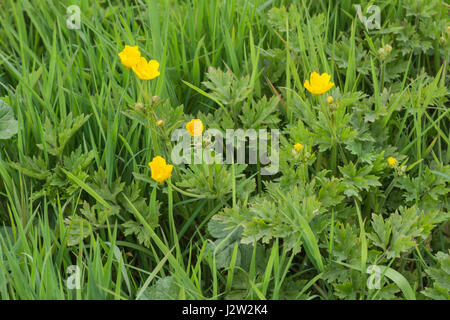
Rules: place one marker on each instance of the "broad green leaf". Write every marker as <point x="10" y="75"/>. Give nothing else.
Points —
<point x="8" y="125"/>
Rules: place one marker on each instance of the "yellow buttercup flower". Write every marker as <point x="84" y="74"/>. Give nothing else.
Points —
<point x="318" y="84"/>
<point x="130" y="56"/>
<point x="146" y="70"/>
<point x="161" y="171"/>
<point x="392" y="162"/>
<point x="195" y="127"/>
<point x="298" y="147"/>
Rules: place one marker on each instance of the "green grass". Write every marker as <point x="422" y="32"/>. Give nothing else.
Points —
<point x="74" y="180"/>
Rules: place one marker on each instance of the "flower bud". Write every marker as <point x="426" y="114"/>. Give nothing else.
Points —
<point x="393" y="163"/>
<point x="387" y="48"/>
<point x="139" y="106"/>
<point x="156" y="99"/>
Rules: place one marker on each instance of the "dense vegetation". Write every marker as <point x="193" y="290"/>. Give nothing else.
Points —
<point x="358" y="210"/>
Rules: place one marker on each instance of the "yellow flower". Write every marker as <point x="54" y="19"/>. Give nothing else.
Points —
<point x="318" y="84"/>
<point x="330" y="99"/>
<point x="298" y="147"/>
<point x="195" y="127"/>
<point x="161" y="171"/>
<point x="146" y="70"/>
<point x="392" y="162"/>
<point x="130" y="56"/>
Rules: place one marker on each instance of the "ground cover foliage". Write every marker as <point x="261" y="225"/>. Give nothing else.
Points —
<point x="359" y="208"/>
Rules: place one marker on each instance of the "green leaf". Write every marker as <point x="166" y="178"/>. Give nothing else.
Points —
<point x="164" y="289"/>
<point x="395" y="276"/>
<point x="57" y="135"/>
<point x="79" y="229"/>
<point x="441" y="278"/>
<point x="8" y="125"/>
<point x="226" y="87"/>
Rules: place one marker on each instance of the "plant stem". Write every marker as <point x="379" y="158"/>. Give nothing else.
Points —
<point x="388" y="191"/>
<point x="173" y="229"/>
<point x="188" y="194"/>
<point x="233" y="173"/>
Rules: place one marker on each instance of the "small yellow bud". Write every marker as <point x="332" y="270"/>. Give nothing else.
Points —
<point x="330" y="99"/>
<point x="392" y="162"/>
<point x="298" y="147"/>
<point x="139" y="106"/>
<point x="388" y="48"/>
<point x="384" y="51"/>
<point x="160" y="123"/>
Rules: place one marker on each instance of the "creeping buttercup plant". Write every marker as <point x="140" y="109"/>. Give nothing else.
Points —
<point x="359" y="205"/>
